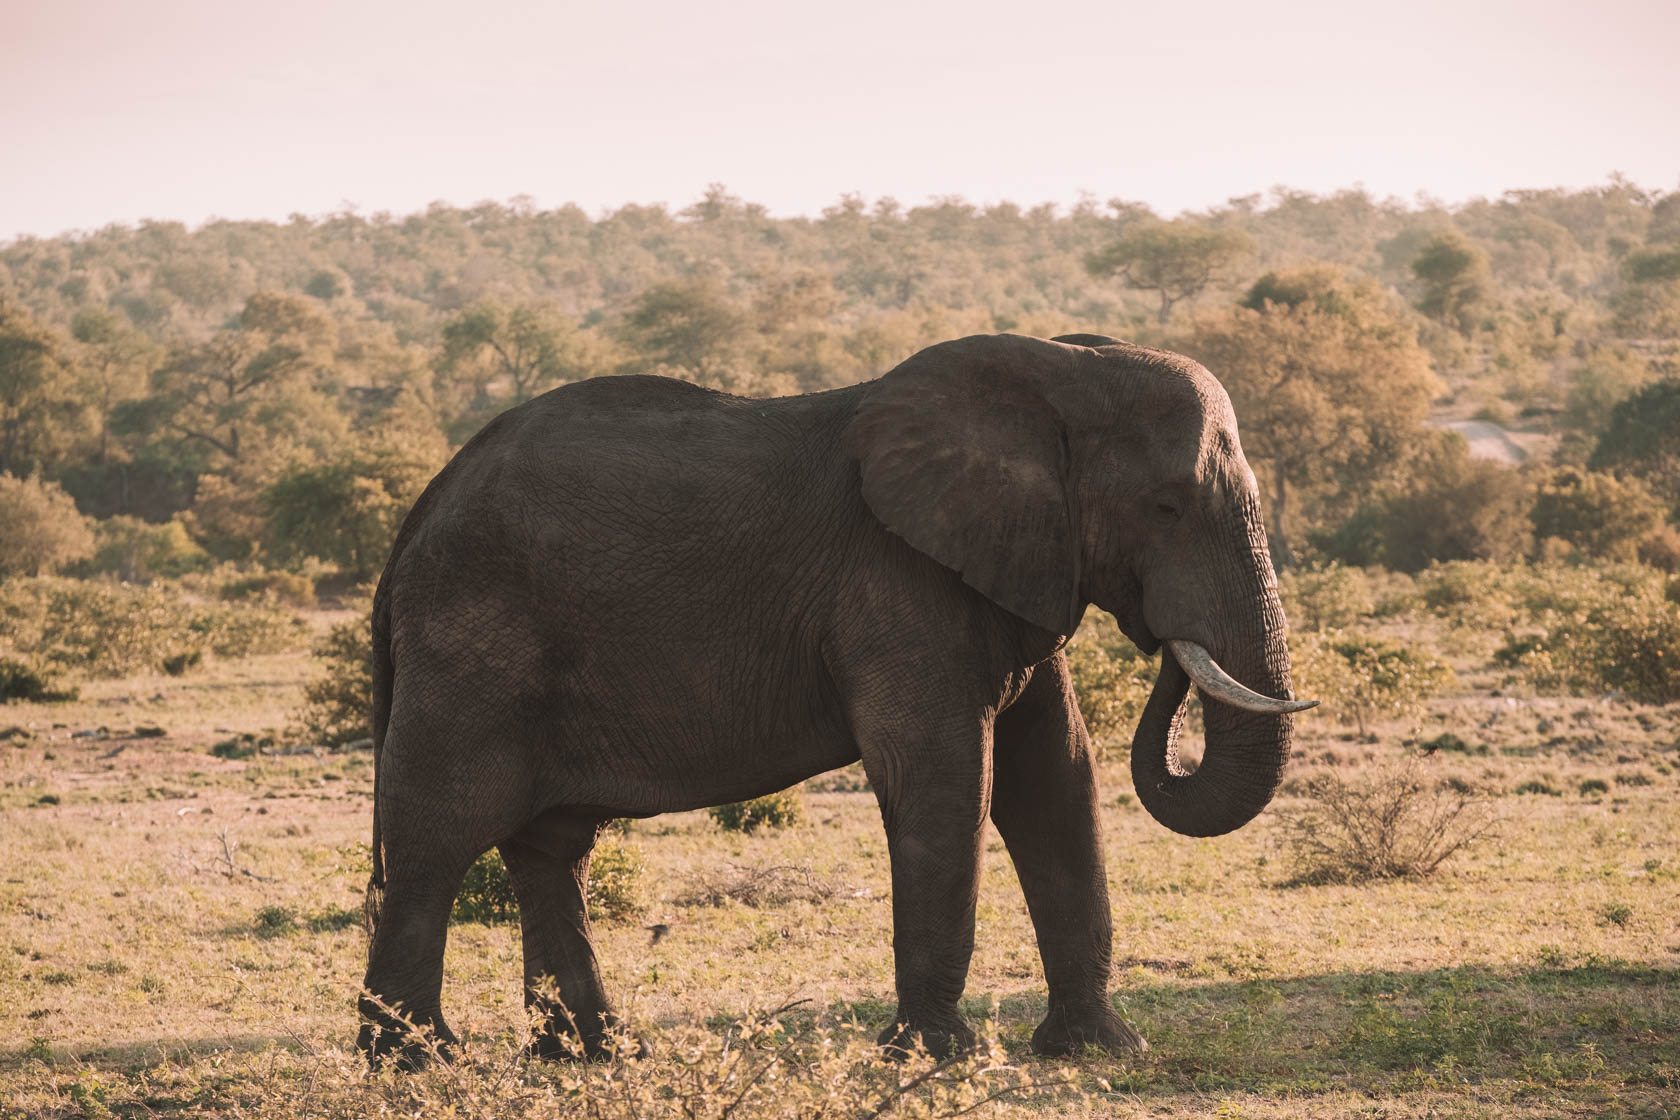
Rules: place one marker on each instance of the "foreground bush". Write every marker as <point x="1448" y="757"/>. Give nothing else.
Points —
<point x="1396" y="824"/>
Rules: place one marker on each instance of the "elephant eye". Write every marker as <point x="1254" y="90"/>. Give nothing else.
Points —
<point x="1167" y="508"/>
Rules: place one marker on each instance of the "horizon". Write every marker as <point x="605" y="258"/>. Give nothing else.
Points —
<point x="1269" y="198"/>
<point x="191" y="111"/>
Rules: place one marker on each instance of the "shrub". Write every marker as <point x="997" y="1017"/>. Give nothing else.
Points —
<point x="44" y="530"/>
<point x="1363" y="678"/>
<point x="773" y="810"/>
<point x="287" y="587"/>
<point x="1628" y="641"/>
<point x="1594" y="785"/>
<point x="1327" y="598"/>
<point x="19" y="681"/>
<point x="1395" y="824"/>
<point x="338" y="704"/>
<point x="487" y="893"/>
<point x="1112" y="679"/>
<point x="111" y="629"/>
<point x="1540" y="787"/>
<point x="1447" y="741"/>
<point x="134" y="551"/>
<point x="273" y="921"/>
<point x="615" y="881"/>
<point x="1599" y="514"/>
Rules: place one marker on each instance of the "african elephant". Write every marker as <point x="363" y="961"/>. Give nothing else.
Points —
<point x="633" y="595"/>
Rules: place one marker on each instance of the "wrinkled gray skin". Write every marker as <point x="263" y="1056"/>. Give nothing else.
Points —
<point x="634" y="596"/>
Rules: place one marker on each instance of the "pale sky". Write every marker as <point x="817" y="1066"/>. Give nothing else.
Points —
<point x="119" y="110"/>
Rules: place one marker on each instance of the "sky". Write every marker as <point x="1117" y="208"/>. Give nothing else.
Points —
<point x="123" y="110"/>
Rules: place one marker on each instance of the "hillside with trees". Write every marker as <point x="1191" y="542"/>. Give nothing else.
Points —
<point x="276" y="393"/>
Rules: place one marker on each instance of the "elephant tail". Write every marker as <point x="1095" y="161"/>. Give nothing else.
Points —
<point x="382" y="673"/>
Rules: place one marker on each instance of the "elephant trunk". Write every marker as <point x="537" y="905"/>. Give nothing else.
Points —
<point x="1246" y="750"/>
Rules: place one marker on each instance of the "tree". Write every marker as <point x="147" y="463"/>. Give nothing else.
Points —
<point x="1648" y="303"/>
<point x="1175" y="259"/>
<point x="44" y="530"/>
<point x="1455" y="279"/>
<point x="1599" y="514"/>
<point x="114" y="362"/>
<point x="347" y="510"/>
<point x="1330" y="387"/>
<point x="528" y="345"/>
<point x="249" y="383"/>
<point x="690" y="323"/>
<point x="1445" y="506"/>
<point x="31" y="358"/>
<point x="1643" y="439"/>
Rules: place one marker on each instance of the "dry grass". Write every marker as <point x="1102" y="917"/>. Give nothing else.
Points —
<point x="1534" y="975"/>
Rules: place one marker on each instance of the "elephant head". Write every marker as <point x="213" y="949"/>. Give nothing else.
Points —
<point x="1055" y="474"/>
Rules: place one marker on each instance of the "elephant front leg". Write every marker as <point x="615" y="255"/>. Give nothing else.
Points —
<point x="1045" y="808"/>
<point x="933" y="794"/>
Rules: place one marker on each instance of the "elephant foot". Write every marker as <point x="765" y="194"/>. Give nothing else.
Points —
<point x="941" y="1040"/>
<point x="407" y="1044"/>
<point x="559" y="1042"/>
<point x="1065" y="1031"/>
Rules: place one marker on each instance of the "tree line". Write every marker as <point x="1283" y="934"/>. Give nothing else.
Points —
<point x="277" y="393"/>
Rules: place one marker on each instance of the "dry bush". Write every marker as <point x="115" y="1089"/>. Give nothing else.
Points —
<point x="1395" y="824"/>
<point x="757" y="886"/>
<point x="763" y="1067"/>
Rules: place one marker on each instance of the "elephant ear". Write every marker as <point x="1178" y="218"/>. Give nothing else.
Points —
<point x="963" y="457"/>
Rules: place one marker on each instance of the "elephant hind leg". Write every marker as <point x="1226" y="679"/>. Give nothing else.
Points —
<point x="548" y="861"/>
<point x="405" y="961"/>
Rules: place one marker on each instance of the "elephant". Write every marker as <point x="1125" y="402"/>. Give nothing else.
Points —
<point x="633" y="595"/>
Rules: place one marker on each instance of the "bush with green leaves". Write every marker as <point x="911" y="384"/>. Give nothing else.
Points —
<point x="101" y="628"/>
<point x="1112" y="679"/>
<point x="486" y="894"/>
<point x="31" y="684"/>
<point x="43" y="529"/>
<point x="1329" y="597"/>
<point x="137" y="551"/>
<point x="1628" y="642"/>
<point x="1361" y="678"/>
<point x="773" y="810"/>
<point x="338" y="704"/>
<point x="615" y="880"/>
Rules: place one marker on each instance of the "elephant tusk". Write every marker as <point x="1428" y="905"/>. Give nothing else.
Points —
<point x="1199" y="664"/>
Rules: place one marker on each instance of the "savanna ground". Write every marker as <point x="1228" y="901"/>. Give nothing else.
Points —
<point x="179" y="934"/>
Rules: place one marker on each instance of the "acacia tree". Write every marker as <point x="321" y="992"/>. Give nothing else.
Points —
<point x="250" y="382"/>
<point x="1328" y="385"/>
<point x="1175" y="259"/>
<point x="528" y="344"/>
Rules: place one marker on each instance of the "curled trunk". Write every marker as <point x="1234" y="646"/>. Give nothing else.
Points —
<point x="1246" y="751"/>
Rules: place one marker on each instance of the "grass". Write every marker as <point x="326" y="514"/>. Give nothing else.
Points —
<point x="179" y="934"/>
